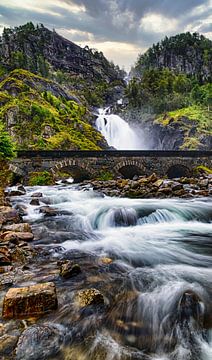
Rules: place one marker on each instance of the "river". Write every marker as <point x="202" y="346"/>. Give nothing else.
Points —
<point x="157" y="287"/>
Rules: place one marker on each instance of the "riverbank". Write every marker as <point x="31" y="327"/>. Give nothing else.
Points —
<point x="155" y="187"/>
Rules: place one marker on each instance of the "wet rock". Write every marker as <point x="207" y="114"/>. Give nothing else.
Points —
<point x="190" y="306"/>
<point x="35" y="202"/>
<point x="7" y="344"/>
<point x="37" y="195"/>
<point x="40" y="342"/>
<point x="16" y="193"/>
<point x="89" y="297"/>
<point x="105" y="260"/>
<point x="22" y="227"/>
<point x="176" y="186"/>
<point x="12" y="236"/>
<point x="21" y="209"/>
<point x="48" y="211"/>
<point x="21" y="188"/>
<point x="4" y="260"/>
<point x="68" y="270"/>
<point x="35" y="300"/>
<point x="8" y="215"/>
<point x="22" y="253"/>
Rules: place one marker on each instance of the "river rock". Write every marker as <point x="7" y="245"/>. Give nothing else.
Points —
<point x="39" y="342"/>
<point x="8" y="215"/>
<point x="7" y="344"/>
<point x="35" y="202"/>
<point x="48" y="211"/>
<point x="68" y="270"/>
<point x="30" y="301"/>
<point x="16" y="193"/>
<point x="37" y="195"/>
<point x="12" y="236"/>
<point x="21" y="209"/>
<point x="22" y="227"/>
<point x="89" y="297"/>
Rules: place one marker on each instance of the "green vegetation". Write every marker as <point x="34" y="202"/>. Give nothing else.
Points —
<point x="7" y="148"/>
<point x="203" y="169"/>
<point x="105" y="176"/>
<point x="40" y="178"/>
<point x="40" y="120"/>
<point x="188" y="53"/>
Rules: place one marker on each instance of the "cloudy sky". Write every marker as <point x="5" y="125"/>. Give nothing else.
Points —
<point x="120" y="28"/>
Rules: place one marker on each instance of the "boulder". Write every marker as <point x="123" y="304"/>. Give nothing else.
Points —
<point x="8" y="215"/>
<point x="12" y="236"/>
<point x="35" y="202"/>
<point x="22" y="227"/>
<point x="7" y="344"/>
<point x="48" y="211"/>
<point x="30" y="301"/>
<point x="89" y="297"/>
<point x="68" y="270"/>
<point x="39" y="342"/>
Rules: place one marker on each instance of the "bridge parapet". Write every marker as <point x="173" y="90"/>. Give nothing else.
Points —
<point x="88" y="164"/>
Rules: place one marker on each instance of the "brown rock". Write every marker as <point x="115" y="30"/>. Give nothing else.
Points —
<point x="30" y="301"/>
<point x="7" y="344"/>
<point x="89" y="297"/>
<point x="23" y="227"/>
<point x="8" y="215"/>
<point x="48" y="211"/>
<point x="158" y="183"/>
<point x="12" y="236"/>
<point x="68" y="270"/>
<point x="106" y="260"/>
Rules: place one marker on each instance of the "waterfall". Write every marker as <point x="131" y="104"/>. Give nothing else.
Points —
<point x="117" y="132"/>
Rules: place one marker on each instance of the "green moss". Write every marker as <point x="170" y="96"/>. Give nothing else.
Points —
<point x="40" y="120"/>
<point x="40" y="178"/>
<point x="105" y="176"/>
<point x="203" y="169"/>
<point x="196" y="113"/>
<point x="190" y="143"/>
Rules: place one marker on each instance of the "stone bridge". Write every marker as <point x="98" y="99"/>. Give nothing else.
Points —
<point x="91" y="164"/>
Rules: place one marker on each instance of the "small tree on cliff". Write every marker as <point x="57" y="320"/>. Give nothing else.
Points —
<point x="7" y="148"/>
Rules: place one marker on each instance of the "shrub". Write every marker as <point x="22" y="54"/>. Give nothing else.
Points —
<point x="40" y="178"/>
<point x="7" y="148"/>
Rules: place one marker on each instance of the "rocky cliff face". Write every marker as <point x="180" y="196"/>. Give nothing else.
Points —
<point x="186" y="53"/>
<point x="170" y="131"/>
<point x="37" y="48"/>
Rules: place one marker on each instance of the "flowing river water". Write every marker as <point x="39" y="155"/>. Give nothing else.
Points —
<point x="157" y="288"/>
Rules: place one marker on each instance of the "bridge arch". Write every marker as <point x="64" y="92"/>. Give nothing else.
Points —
<point x="78" y="169"/>
<point x="179" y="169"/>
<point x="129" y="168"/>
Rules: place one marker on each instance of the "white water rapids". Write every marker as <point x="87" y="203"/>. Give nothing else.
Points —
<point x="160" y="250"/>
<point x="117" y="132"/>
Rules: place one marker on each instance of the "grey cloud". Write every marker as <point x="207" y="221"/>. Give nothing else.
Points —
<point x="114" y="20"/>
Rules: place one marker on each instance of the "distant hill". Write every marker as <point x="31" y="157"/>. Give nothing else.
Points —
<point x="186" y="53"/>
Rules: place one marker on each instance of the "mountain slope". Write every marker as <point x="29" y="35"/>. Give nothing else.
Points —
<point x="40" y="114"/>
<point x="40" y="50"/>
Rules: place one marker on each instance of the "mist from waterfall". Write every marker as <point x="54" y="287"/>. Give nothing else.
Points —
<point x="117" y="132"/>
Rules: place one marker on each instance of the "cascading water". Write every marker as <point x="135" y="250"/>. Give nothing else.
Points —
<point x="157" y="288"/>
<point x="117" y="132"/>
